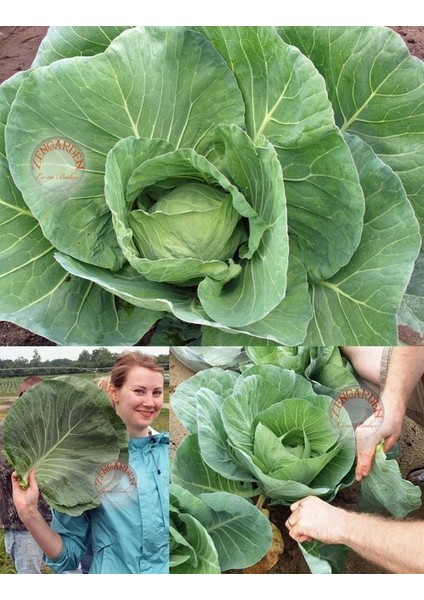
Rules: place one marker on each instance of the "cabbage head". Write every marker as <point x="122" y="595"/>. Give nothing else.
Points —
<point x="256" y="183"/>
<point x="268" y="427"/>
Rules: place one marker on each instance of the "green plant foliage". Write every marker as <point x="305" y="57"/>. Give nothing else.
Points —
<point x="211" y="533"/>
<point x="260" y="183"/>
<point x="266" y="432"/>
<point x="66" y="430"/>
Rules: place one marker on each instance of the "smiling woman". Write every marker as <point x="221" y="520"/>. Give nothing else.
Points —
<point x="111" y="492"/>
<point x="136" y="390"/>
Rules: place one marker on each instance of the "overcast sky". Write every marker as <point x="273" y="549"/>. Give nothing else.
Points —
<point x="72" y="352"/>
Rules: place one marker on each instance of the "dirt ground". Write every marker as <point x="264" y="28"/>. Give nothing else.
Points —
<point x="18" y="46"/>
<point x="411" y="457"/>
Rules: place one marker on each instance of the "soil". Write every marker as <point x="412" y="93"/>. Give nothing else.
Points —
<point x="18" y="46"/>
<point x="411" y="445"/>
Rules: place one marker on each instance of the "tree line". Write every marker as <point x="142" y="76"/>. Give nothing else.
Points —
<point x="99" y="359"/>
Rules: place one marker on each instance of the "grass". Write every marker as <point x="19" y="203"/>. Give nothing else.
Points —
<point x="161" y="423"/>
<point x="6" y="565"/>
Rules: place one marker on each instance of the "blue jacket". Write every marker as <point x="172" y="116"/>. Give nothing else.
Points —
<point x="128" y="531"/>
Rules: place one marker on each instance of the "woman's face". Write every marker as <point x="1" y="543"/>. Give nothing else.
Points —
<point x="139" y="400"/>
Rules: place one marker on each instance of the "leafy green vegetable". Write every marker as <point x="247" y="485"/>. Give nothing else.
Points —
<point x="259" y="183"/>
<point x="198" y="358"/>
<point x="268" y="428"/>
<point x="211" y="532"/>
<point x="66" y="430"/>
<point x="324" y="559"/>
<point x="288" y="357"/>
<point x="385" y="489"/>
<point x="265" y="432"/>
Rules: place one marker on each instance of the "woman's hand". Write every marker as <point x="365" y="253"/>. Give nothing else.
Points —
<point x="26" y="501"/>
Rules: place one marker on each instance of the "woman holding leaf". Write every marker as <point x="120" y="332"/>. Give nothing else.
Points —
<point x="129" y="528"/>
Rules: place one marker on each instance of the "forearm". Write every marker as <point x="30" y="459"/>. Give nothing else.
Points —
<point x="397" y="547"/>
<point x="49" y="541"/>
<point x="406" y="366"/>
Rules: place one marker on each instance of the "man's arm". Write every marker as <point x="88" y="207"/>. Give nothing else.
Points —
<point x="406" y="366"/>
<point x="395" y="546"/>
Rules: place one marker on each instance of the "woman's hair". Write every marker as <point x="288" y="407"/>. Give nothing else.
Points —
<point x="126" y="361"/>
<point x="103" y="383"/>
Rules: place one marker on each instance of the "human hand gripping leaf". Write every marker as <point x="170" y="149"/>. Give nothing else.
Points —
<point x="374" y="431"/>
<point x="25" y="499"/>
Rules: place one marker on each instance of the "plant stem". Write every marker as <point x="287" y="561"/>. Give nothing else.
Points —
<point x="260" y="502"/>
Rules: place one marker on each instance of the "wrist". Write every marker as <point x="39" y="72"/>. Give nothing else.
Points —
<point x="342" y="526"/>
<point x="394" y="410"/>
<point x="29" y="514"/>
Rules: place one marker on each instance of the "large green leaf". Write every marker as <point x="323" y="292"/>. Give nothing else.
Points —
<point x="289" y="383"/>
<point x="411" y="313"/>
<point x="66" y="437"/>
<point x="65" y="42"/>
<point x="237" y="530"/>
<point x="37" y="293"/>
<point x="190" y="471"/>
<point x="241" y="533"/>
<point x="286" y="101"/>
<point x="385" y="489"/>
<point x="324" y="559"/>
<point x="212" y="436"/>
<point x="359" y="304"/>
<point x="205" y="560"/>
<point x="286" y="324"/>
<point x="376" y="89"/>
<point x="184" y="399"/>
<point x="56" y="102"/>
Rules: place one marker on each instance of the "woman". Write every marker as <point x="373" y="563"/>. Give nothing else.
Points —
<point x="129" y="529"/>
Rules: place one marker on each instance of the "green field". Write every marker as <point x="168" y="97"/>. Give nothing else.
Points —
<point x="9" y="386"/>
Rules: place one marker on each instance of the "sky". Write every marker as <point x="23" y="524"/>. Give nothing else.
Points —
<point x="221" y="12"/>
<point x="72" y="352"/>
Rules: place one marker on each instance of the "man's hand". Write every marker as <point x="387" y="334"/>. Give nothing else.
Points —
<point x="373" y="431"/>
<point x="314" y="519"/>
